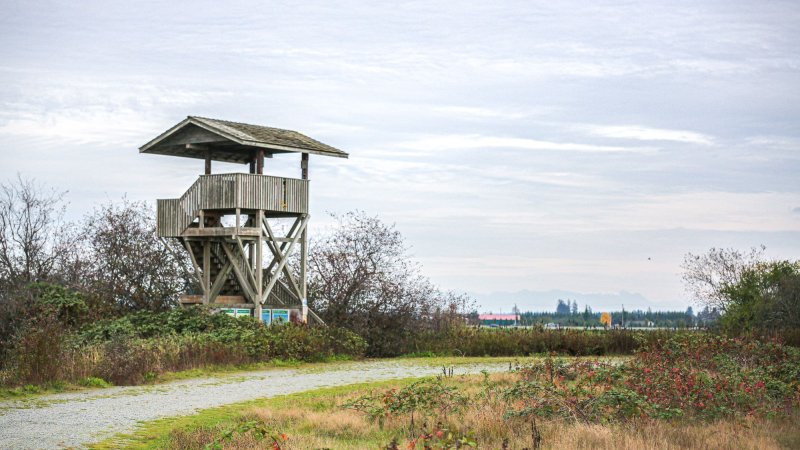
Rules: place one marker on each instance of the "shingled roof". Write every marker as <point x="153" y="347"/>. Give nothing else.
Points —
<point x="195" y="137"/>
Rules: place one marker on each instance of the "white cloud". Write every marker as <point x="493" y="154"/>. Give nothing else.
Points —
<point x="476" y="141"/>
<point x="474" y="112"/>
<point x="651" y="134"/>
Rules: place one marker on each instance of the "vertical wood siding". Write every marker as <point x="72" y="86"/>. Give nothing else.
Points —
<point x="230" y="191"/>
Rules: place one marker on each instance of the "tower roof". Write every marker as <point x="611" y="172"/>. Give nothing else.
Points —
<point x="195" y="137"/>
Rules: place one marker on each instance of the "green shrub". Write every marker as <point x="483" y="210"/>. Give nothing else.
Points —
<point x="136" y="348"/>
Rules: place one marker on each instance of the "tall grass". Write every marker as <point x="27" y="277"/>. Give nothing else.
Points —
<point x="471" y="341"/>
<point x="127" y="354"/>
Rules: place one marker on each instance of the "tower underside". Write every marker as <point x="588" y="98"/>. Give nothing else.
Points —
<point x="247" y="240"/>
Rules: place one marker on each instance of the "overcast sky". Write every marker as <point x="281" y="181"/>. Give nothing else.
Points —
<point x="517" y="145"/>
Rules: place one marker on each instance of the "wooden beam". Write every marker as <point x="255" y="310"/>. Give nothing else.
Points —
<point x="248" y="264"/>
<point x="207" y="270"/>
<point x="259" y="266"/>
<point x="243" y="282"/>
<point x="221" y="231"/>
<point x="233" y="305"/>
<point x="219" y="282"/>
<point x="200" y="276"/>
<point x="260" y="161"/>
<point x="208" y="162"/>
<point x="303" y="275"/>
<point x="304" y="166"/>
<point x="315" y="317"/>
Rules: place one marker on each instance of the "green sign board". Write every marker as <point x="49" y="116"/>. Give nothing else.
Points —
<point x="280" y="315"/>
<point x="236" y="312"/>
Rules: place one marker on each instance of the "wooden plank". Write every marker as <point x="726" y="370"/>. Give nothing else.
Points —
<point x="190" y="299"/>
<point x="221" y="231"/>
<point x="230" y="300"/>
<point x="234" y="305"/>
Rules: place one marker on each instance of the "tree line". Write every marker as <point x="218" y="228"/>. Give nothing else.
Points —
<point x="571" y="316"/>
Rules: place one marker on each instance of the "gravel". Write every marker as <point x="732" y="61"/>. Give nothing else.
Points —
<point x="75" y="420"/>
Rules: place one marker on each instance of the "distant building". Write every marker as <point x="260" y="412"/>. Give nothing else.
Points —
<point x="499" y="320"/>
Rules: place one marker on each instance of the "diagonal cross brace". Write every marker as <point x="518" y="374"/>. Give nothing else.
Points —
<point x="284" y="258"/>
<point x="278" y="255"/>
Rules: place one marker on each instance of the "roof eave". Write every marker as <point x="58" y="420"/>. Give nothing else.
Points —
<point x="153" y="142"/>
<point x="285" y="148"/>
<point x="200" y="123"/>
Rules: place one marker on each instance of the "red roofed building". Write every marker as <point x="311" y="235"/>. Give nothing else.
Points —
<point x="501" y="320"/>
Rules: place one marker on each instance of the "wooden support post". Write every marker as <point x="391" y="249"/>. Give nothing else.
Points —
<point x="208" y="162"/>
<point x="238" y="218"/>
<point x="259" y="267"/>
<point x="260" y="162"/>
<point x="253" y="165"/>
<point x="304" y="248"/>
<point x="207" y="271"/>
<point x="303" y="266"/>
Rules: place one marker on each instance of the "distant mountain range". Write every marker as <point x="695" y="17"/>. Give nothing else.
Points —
<point x="527" y="300"/>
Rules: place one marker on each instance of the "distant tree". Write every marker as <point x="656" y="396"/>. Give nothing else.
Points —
<point x="605" y="319"/>
<point x="587" y="315"/>
<point x="563" y="308"/>
<point x="708" y="316"/>
<point x="574" y="308"/>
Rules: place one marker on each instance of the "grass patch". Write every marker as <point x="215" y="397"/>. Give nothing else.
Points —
<point x="31" y="391"/>
<point x="159" y="434"/>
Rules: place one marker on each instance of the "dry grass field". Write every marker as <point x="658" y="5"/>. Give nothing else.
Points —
<point x="320" y="421"/>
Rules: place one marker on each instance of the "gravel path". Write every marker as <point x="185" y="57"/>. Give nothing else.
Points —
<point x="80" y="418"/>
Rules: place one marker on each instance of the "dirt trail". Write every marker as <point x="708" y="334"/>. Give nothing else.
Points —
<point x="81" y="418"/>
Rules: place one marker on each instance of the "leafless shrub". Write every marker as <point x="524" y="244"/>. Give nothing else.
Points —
<point x="36" y="241"/>
<point x="127" y="264"/>
<point x="707" y="275"/>
<point x="361" y="277"/>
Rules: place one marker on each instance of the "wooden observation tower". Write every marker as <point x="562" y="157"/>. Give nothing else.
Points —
<point x="226" y="221"/>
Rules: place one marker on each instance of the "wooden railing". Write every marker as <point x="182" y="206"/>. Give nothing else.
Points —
<point x="230" y="191"/>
